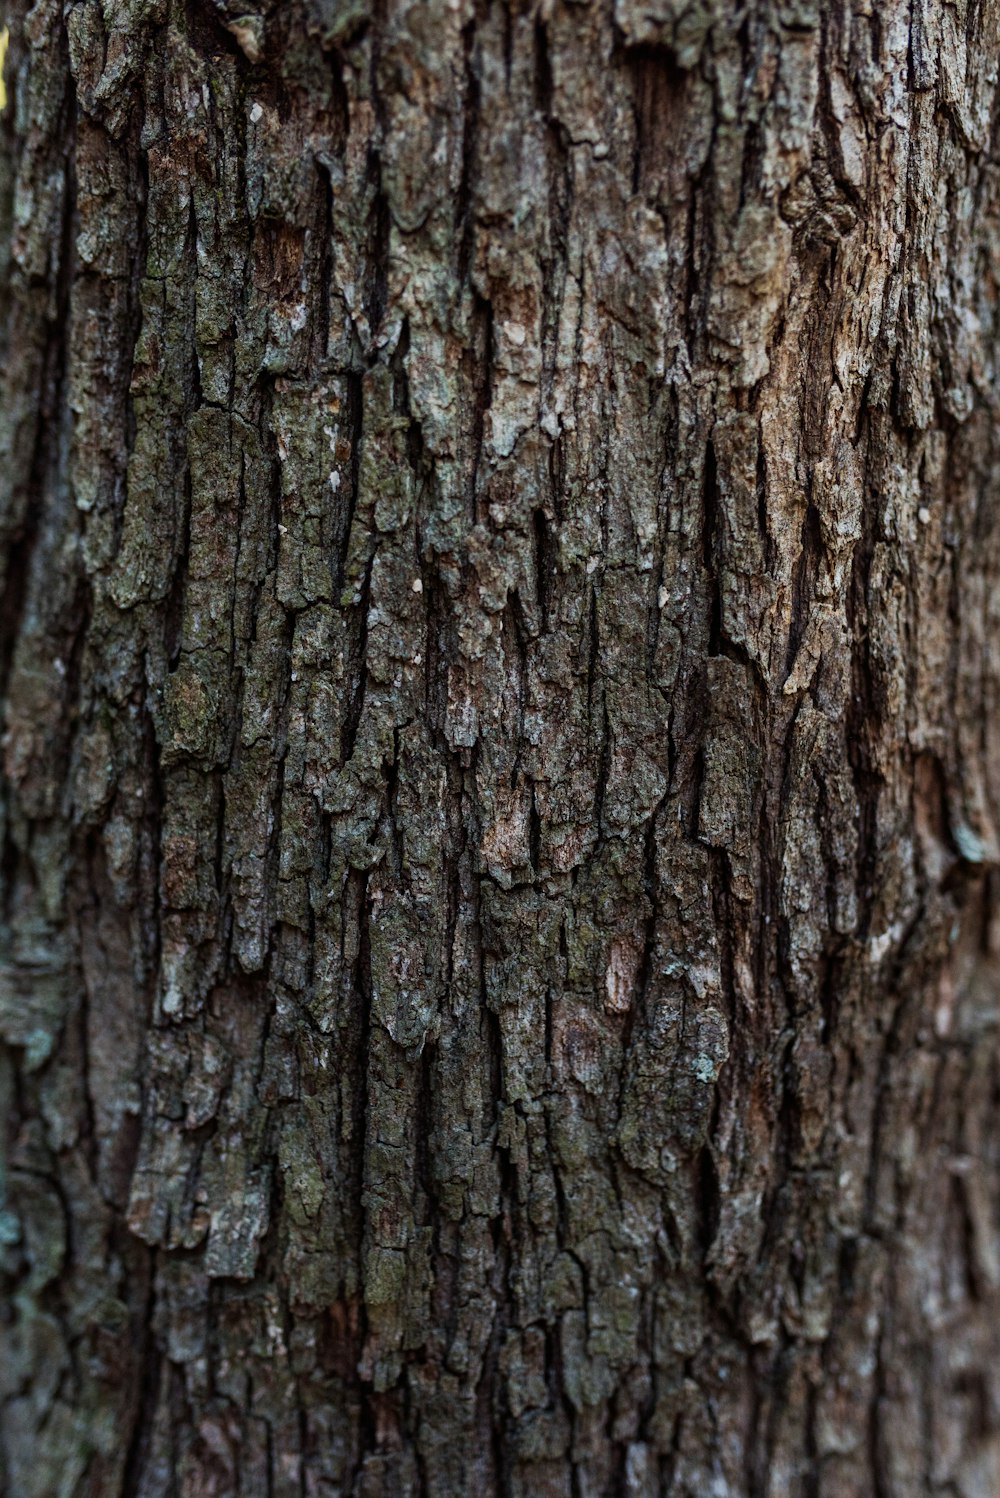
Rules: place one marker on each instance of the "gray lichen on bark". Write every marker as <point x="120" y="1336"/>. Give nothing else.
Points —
<point x="500" y="807"/>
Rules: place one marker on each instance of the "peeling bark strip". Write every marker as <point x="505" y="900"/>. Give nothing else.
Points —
<point x="499" y="947"/>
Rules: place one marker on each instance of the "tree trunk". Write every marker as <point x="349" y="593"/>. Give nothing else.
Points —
<point x="500" y="932"/>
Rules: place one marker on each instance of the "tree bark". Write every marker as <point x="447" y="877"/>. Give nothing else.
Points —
<point x="500" y="936"/>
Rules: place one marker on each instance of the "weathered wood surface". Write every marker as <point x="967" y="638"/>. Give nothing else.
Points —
<point x="501" y="797"/>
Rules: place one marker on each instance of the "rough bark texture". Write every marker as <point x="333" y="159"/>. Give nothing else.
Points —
<point x="500" y="942"/>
